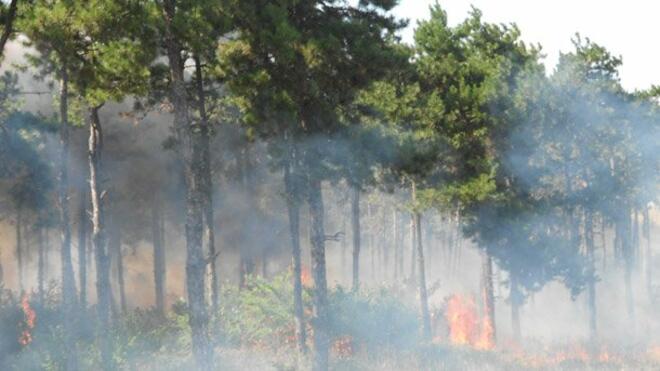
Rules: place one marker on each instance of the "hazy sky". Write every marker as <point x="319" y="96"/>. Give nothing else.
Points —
<point x="629" y="28"/>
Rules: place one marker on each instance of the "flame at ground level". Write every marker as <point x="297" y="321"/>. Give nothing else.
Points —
<point x="465" y="325"/>
<point x="30" y="317"/>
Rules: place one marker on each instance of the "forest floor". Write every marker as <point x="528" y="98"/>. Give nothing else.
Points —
<point x="436" y="358"/>
<point x="371" y="330"/>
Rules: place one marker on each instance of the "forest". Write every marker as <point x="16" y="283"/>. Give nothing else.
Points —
<point x="288" y="185"/>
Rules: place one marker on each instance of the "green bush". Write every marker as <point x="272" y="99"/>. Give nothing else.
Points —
<point x="262" y="314"/>
<point x="259" y="314"/>
<point x="375" y="320"/>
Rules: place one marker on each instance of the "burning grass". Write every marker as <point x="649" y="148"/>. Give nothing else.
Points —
<point x="371" y="331"/>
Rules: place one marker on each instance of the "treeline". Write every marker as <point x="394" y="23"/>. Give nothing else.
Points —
<point x="466" y="121"/>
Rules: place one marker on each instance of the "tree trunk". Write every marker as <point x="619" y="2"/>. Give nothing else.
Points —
<point x="68" y="280"/>
<point x="413" y="244"/>
<point x="622" y="239"/>
<point x="82" y="248"/>
<point x="488" y="294"/>
<point x="355" y="224"/>
<point x="41" y="264"/>
<point x="99" y="240"/>
<point x="189" y="146"/>
<point x="603" y="241"/>
<point x="385" y="247"/>
<point x="395" y="241"/>
<point x="264" y="263"/>
<point x="646" y="230"/>
<point x="159" y="257"/>
<point x="293" y="207"/>
<point x="347" y="269"/>
<point x="635" y="234"/>
<point x="207" y="186"/>
<point x="19" y="249"/>
<point x="320" y="296"/>
<point x="246" y="268"/>
<point x="516" y="301"/>
<point x="423" y="295"/>
<point x="591" y="286"/>
<point x="115" y="248"/>
<point x="246" y="254"/>
<point x="402" y="231"/>
<point x="8" y="28"/>
<point x="371" y="246"/>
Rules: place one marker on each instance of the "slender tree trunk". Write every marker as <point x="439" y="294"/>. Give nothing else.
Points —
<point x="159" y="257"/>
<point x="46" y="253"/>
<point x="402" y="231"/>
<point x="264" y="263"/>
<point x="628" y="256"/>
<point x="591" y="286"/>
<point x="320" y="296"/>
<point x="603" y="241"/>
<point x="635" y="234"/>
<point x="488" y="293"/>
<point x="189" y="146"/>
<point x="355" y="223"/>
<point x="423" y="295"/>
<point x="115" y="247"/>
<point x="207" y="185"/>
<point x="413" y="244"/>
<point x="293" y="207"/>
<point x="646" y="230"/>
<point x="347" y="269"/>
<point x="68" y="279"/>
<point x="515" y="299"/>
<point x="385" y="249"/>
<point x="371" y="246"/>
<point x="247" y="261"/>
<point x="395" y="240"/>
<point x="82" y="248"/>
<point x="99" y="239"/>
<point x="19" y="249"/>
<point x="41" y="264"/>
<point x="246" y="269"/>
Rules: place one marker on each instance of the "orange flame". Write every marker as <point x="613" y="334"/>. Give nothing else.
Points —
<point x="465" y="326"/>
<point x="306" y="277"/>
<point x="462" y="320"/>
<point x="28" y="323"/>
<point x="486" y="340"/>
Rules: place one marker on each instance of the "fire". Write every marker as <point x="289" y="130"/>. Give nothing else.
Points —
<point x="306" y="277"/>
<point x="465" y="326"/>
<point x="462" y="320"/>
<point x="28" y="323"/>
<point x="486" y="340"/>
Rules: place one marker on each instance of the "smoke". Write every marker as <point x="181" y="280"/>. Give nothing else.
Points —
<point x="252" y="225"/>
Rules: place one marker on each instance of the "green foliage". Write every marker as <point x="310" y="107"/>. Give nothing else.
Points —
<point x="109" y="62"/>
<point x="376" y="321"/>
<point x="141" y="333"/>
<point x="260" y="314"/>
<point x="295" y="69"/>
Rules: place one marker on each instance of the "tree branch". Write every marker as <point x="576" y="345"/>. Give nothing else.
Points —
<point x="9" y="25"/>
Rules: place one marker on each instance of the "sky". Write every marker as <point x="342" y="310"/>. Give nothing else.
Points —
<point x="630" y="29"/>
